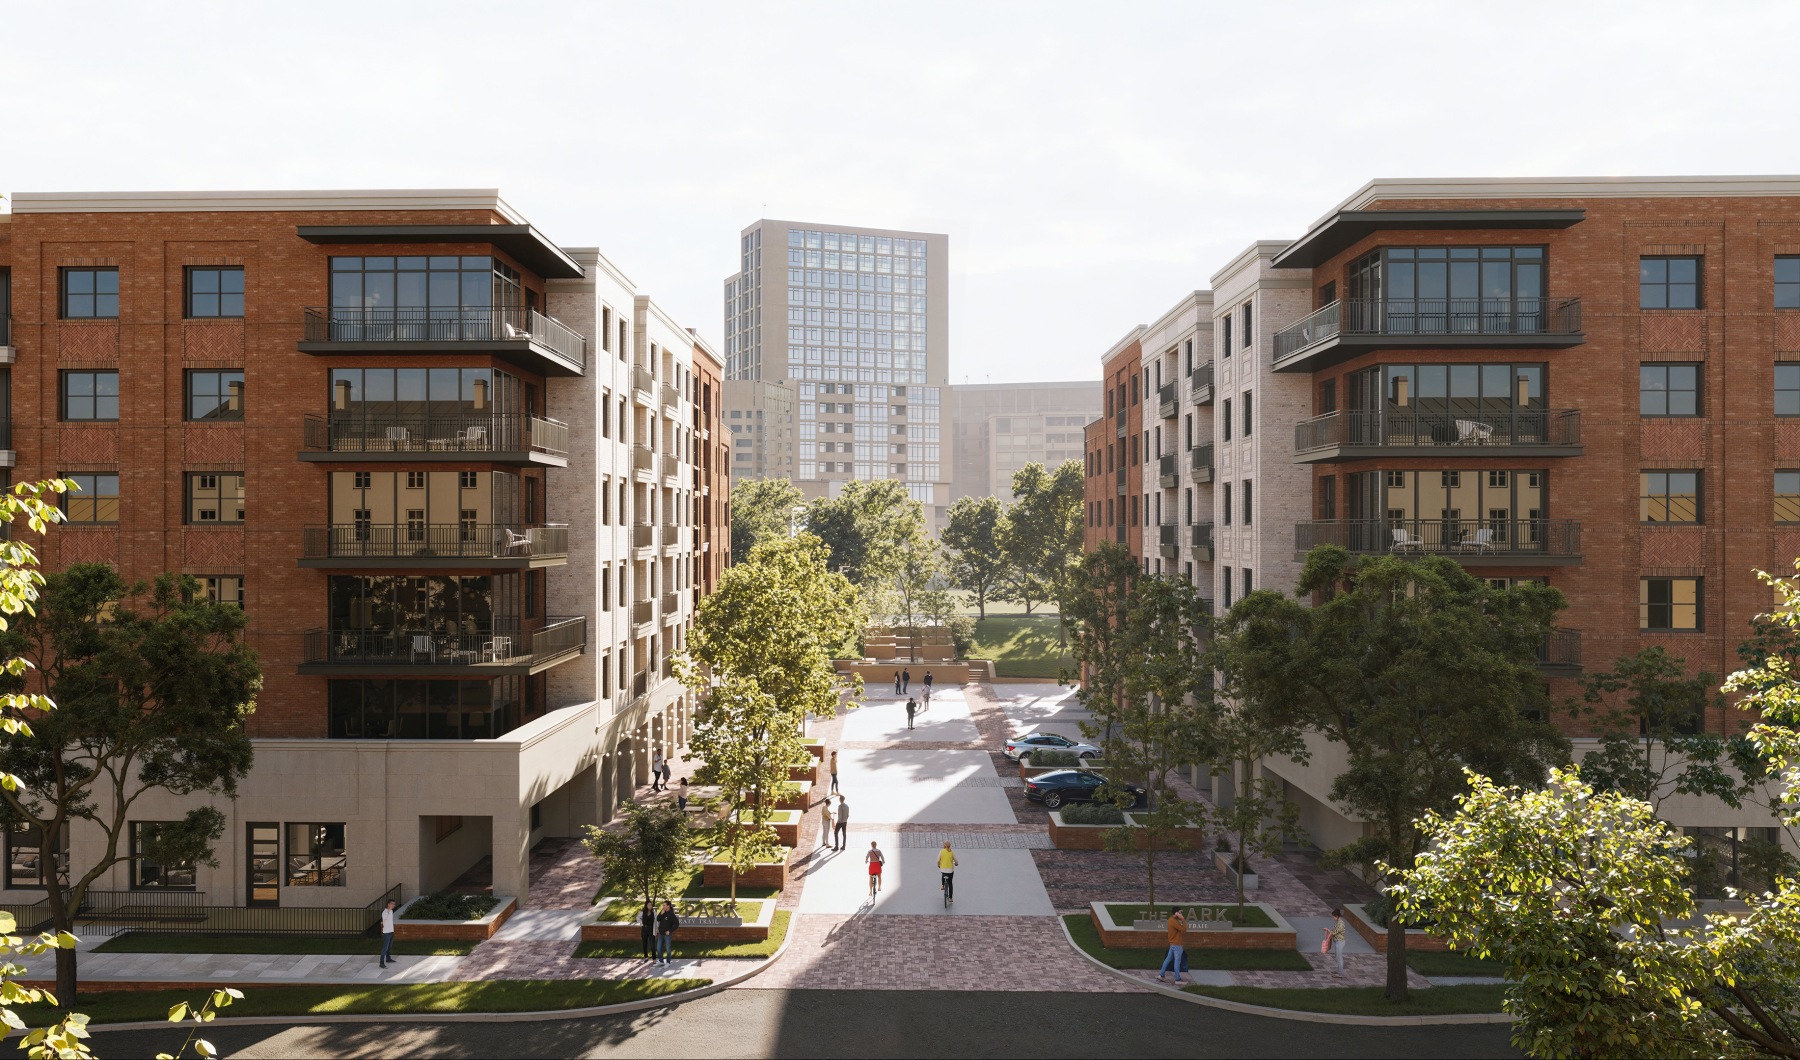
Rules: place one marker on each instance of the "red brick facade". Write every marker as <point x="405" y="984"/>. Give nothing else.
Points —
<point x="1116" y="503"/>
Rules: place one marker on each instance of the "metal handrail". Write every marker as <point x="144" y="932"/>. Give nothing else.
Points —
<point x="1200" y="535"/>
<point x="1463" y="538"/>
<point x="1165" y="400"/>
<point x="467" y="432"/>
<point x="1201" y="377"/>
<point x="433" y="541"/>
<point x="1201" y="456"/>
<point x="1168" y="533"/>
<point x="444" y="324"/>
<point x="1560" y="647"/>
<point x="1524" y="315"/>
<point x="671" y="397"/>
<point x="1450" y="427"/>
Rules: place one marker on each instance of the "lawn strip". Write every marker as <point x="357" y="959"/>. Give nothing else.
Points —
<point x="1081" y="928"/>
<point x="1364" y="1000"/>
<point x="162" y="942"/>
<point x="778" y="926"/>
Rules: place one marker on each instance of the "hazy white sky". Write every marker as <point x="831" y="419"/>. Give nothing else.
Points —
<point x="1091" y="162"/>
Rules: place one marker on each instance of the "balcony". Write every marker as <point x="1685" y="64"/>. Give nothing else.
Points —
<point x="643" y="385"/>
<point x="1119" y="424"/>
<point x="1169" y="540"/>
<point x="1200" y="458"/>
<point x="671" y="607"/>
<point x="524" y="337"/>
<point x="643" y="536"/>
<point x="1476" y="542"/>
<point x="1559" y="654"/>
<point x="503" y="438"/>
<point x="671" y="468"/>
<point x="1359" y="435"/>
<point x="643" y="616"/>
<point x="671" y="400"/>
<point x="6" y="348"/>
<point x="490" y="652"/>
<point x="1165" y="401"/>
<point x="643" y="461"/>
<point x="1200" y="539"/>
<point x="671" y="535"/>
<point x="433" y="546"/>
<point x="1200" y="384"/>
<point x="1119" y="482"/>
<point x="1166" y="476"/>
<point x="1345" y="329"/>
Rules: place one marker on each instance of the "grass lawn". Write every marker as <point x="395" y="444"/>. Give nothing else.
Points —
<point x="1126" y="912"/>
<point x="693" y="888"/>
<point x="1364" y="1000"/>
<point x="628" y="908"/>
<point x="125" y="1006"/>
<point x="1441" y="964"/>
<point x="155" y="942"/>
<point x="1021" y="645"/>
<point x="778" y="927"/>
<point x="1081" y="927"/>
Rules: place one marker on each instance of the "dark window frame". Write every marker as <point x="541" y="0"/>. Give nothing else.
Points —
<point x="1647" y="485"/>
<point x="1648" y="607"/>
<point x="95" y="397"/>
<point x="191" y="304"/>
<point x="1668" y="390"/>
<point x="96" y="295"/>
<point x="91" y="500"/>
<point x="1793" y="504"/>
<point x="1666" y="285"/>
<point x="1793" y="369"/>
<point x="1790" y="288"/>
<point x="193" y="484"/>
<point x="139" y="861"/>
<point x="220" y="393"/>
<point x="317" y="847"/>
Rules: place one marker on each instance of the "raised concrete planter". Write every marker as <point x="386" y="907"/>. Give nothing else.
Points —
<point x="808" y="773"/>
<point x="1064" y="836"/>
<point x="878" y="677"/>
<point x="769" y="874"/>
<point x="476" y="930"/>
<point x="1208" y="935"/>
<point x="693" y="929"/>
<point x="815" y="747"/>
<point x="1227" y="864"/>
<point x="1417" y="941"/>
<point x="787" y="826"/>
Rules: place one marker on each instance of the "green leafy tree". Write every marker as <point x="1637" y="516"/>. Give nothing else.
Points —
<point x="1418" y="668"/>
<point x="1100" y="616"/>
<point x="916" y="592"/>
<point x="1259" y="819"/>
<point x="152" y="687"/>
<point x="1042" y="537"/>
<point x="648" y="855"/>
<point x="973" y="530"/>
<point x="761" y="509"/>
<point x="863" y="529"/>
<point x="746" y="742"/>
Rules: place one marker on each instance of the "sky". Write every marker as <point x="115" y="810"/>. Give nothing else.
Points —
<point x="1091" y="163"/>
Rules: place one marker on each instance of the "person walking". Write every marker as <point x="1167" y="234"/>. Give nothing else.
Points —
<point x="843" y="824"/>
<point x="647" y="926"/>
<point x="681" y="796"/>
<point x="896" y="682"/>
<point x="668" y="772"/>
<point x="825" y="821"/>
<point x="387" y="933"/>
<point x="667" y="923"/>
<point x="876" y="859"/>
<point x="927" y="695"/>
<point x="1335" y="933"/>
<point x="657" y="765"/>
<point x="905" y="679"/>
<point x="1177" y="929"/>
<point x="834" y="772"/>
<point x="912" y="708"/>
<point x="928" y="686"/>
<point x="947" y="872"/>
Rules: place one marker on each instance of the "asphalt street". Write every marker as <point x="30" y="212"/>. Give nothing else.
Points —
<point x="869" y="1023"/>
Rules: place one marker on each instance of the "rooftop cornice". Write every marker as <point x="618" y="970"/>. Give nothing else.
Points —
<point x="264" y="201"/>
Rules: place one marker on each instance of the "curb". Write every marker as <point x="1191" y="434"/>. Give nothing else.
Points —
<point x="465" y="1017"/>
<point x="1285" y="1013"/>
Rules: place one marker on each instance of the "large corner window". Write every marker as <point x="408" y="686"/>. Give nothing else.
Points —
<point x="1447" y="291"/>
<point x="416" y="298"/>
<point x="315" y="855"/>
<point x="150" y="870"/>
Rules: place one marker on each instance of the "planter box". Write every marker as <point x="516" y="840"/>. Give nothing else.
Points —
<point x="787" y="826"/>
<point x="693" y="929"/>
<point x="476" y="930"/>
<point x="1225" y="862"/>
<point x="769" y="874"/>
<point x="1093" y="836"/>
<point x="810" y="773"/>
<point x="1417" y="941"/>
<point x="1199" y="935"/>
<point x="795" y="795"/>
<point x="815" y="747"/>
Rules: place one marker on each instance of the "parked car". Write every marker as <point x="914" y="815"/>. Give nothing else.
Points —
<point x="1071" y="785"/>
<point x="1020" y="747"/>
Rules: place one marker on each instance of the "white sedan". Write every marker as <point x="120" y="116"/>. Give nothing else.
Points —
<point x="1020" y="747"/>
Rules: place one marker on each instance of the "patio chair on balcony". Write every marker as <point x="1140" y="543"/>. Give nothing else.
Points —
<point x="497" y="649"/>
<point x="1478" y="541"/>
<point x="1473" y="432"/>
<point x="397" y="437"/>
<point x="1405" y="542"/>
<point x="514" y="331"/>
<point x="512" y="539"/>
<point x="423" y="644"/>
<point x="473" y="438"/>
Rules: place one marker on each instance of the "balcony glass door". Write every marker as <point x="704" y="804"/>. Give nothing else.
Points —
<point x="262" y="864"/>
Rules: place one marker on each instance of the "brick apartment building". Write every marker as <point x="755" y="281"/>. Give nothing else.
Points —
<point x="468" y="485"/>
<point x="1590" y="383"/>
<point x="1114" y="487"/>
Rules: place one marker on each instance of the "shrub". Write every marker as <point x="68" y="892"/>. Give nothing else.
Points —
<point x="962" y="634"/>
<point x="1224" y="845"/>
<point x="451" y="905"/>
<point x="1090" y="813"/>
<point x="1054" y="758"/>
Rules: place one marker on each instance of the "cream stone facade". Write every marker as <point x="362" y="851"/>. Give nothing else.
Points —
<point x="998" y="428"/>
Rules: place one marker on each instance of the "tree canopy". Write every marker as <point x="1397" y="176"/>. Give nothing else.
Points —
<point x="761" y="509"/>
<point x="863" y="529"/>
<point x="974" y="559"/>
<point x="1043" y="534"/>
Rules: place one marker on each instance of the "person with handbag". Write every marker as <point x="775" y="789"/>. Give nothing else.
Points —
<point x="1334" y="941"/>
<point x="1177" y="956"/>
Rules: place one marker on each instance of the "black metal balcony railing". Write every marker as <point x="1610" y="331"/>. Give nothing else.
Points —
<point x="456" y="433"/>
<point x="1454" y="427"/>
<point x="1200" y="384"/>
<point x="1166" y="471"/>
<point x="508" y="645"/>
<point x="5" y="330"/>
<point x="1448" y="317"/>
<point x="1119" y="482"/>
<point x="1165" y="401"/>
<point x="433" y="541"/>
<point x="1200" y="537"/>
<point x="1467" y="539"/>
<point x="1561" y="649"/>
<point x="1200" y="458"/>
<point x="444" y="324"/>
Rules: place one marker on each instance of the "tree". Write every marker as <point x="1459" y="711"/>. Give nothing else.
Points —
<point x="863" y="528"/>
<point x="761" y="509"/>
<point x="916" y="591"/>
<point x="1043" y="536"/>
<point x="1100" y="615"/>
<point x="1419" y="669"/>
<point x="648" y="855"/>
<point x="152" y="687"/>
<point x="972" y="533"/>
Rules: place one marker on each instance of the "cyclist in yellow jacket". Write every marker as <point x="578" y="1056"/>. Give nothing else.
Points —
<point x="947" y="869"/>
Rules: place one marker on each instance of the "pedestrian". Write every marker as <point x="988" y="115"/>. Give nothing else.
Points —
<point x="1176" y="956"/>
<point x="947" y="872"/>
<point x="825" y="821"/>
<point x="905" y="679"/>
<point x="875" y="859"/>
<point x="927" y="695"/>
<point x="834" y="772"/>
<point x="896" y="682"/>
<point x="912" y="707"/>
<point x="647" y="926"/>
<point x="1335" y="933"/>
<point x="656" y="771"/>
<point x="928" y="686"/>
<point x="843" y="824"/>
<point x="668" y="772"/>
<point x="681" y="796"/>
<point x="387" y="933"/>
<point x="667" y="923"/>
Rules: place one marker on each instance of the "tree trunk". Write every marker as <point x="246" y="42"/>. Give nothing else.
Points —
<point x="65" y="977"/>
<point x="1396" y="961"/>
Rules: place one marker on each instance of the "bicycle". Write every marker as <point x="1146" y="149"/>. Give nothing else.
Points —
<point x="947" y="884"/>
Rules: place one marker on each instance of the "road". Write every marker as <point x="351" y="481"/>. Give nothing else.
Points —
<point x="865" y="1023"/>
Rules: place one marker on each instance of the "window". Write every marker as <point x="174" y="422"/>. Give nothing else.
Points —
<point x="1247" y="326"/>
<point x="1669" y="496"/>
<point x="315" y="855"/>
<point x="1669" y="604"/>
<point x="223" y="588"/>
<point x="1225" y="420"/>
<point x="215" y="291"/>
<point x="1669" y="283"/>
<point x="1225" y="508"/>
<point x="149" y="871"/>
<point x="90" y="396"/>
<point x="1247" y="504"/>
<point x="1787" y="496"/>
<point x="1225" y="345"/>
<point x="1248" y="423"/>
<point x="215" y="497"/>
<point x="1450" y="290"/>
<point x="1787" y="283"/>
<point x="25" y="860"/>
<point x="215" y="395"/>
<point x="95" y="499"/>
<point x="1787" y="390"/>
<point x="90" y="294"/>
<point x="1671" y="389"/>
<point x="1246" y="581"/>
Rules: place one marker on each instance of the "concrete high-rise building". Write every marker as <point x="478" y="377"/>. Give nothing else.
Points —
<point x="837" y="356"/>
<point x="998" y="428"/>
